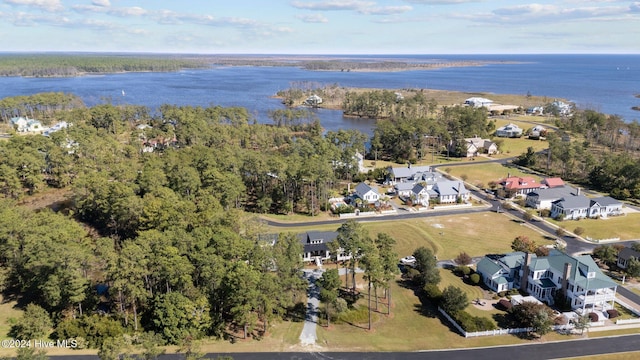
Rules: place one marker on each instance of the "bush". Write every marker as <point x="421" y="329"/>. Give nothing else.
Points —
<point x="545" y="212"/>
<point x="578" y="231"/>
<point x="94" y="329"/>
<point x="433" y="292"/>
<point x="475" y="279"/>
<point x="462" y="270"/>
<point x="472" y="323"/>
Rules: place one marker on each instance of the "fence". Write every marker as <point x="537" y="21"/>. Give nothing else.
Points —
<point x="482" y="333"/>
<point x="457" y="206"/>
<point x="627" y="321"/>
<point x="602" y="240"/>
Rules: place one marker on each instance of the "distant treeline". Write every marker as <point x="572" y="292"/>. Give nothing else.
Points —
<point x="48" y="65"/>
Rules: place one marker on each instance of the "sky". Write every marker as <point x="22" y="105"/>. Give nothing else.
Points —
<point x="322" y="26"/>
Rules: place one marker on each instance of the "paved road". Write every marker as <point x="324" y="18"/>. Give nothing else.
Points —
<point x="532" y="351"/>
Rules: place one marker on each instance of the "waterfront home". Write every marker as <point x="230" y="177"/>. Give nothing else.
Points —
<point x="26" y="125"/>
<point x="478" y="102"/>
<point x="313" y="100"/>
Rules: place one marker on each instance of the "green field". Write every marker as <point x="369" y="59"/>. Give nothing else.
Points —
<point x="624" y="227"/>
<point x="484" y="173"/>
<point x="476" y="234"/>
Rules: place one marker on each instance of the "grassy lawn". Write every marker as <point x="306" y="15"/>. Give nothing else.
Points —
<point x="484" y="173"/>
<point x="514" y="146"/>
<point x="398" y="331"/>
<point x="625" y="227"/>
<point x="9" y="315"/>
<point x="447" y="236"/>
<point x="473" y="292"/>
<point x="620" y="356"/>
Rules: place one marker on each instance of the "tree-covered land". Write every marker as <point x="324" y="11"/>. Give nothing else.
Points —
<point x="58" y="65"/>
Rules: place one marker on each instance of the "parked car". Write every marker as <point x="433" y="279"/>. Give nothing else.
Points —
<point x="408" y="261"/>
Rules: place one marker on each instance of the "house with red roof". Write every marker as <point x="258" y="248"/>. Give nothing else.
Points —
<point x="515" y="185"/>
<point x="553" y="182"/>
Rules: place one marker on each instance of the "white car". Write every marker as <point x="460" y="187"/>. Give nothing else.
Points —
<point x="408" y="261"/>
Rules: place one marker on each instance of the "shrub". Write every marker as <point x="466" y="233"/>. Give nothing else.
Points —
<point x="463" y="259"/>
<point x="472" y="323"/>
<point x="613" y="313"/>
<point x="578" y="231"/>
<point x="545" y="212"/>
<point x="462" y="270"/>
<point x="475" y="279"/>
<point x="433" y="292"/>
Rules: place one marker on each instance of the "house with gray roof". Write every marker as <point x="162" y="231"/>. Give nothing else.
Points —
<point x="579" y="278"/>
<point x="543" y="198"/>
<point x="449" y="191"/>
<point x="580" y="206"/>
<point x="625" y="255"/>
<point x="367" y="194"/>
<point x="509" y="130"/>
<point x="316" y="246"/>
<point x="404" y="174"/>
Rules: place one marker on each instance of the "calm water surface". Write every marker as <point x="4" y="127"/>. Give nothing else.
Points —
<point x="605" y="83"/>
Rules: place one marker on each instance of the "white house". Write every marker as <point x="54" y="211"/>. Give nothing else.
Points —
<point x="313" y="100"/>
<point x="451" y="191"/>
<point x="55" y="128"/>
<point x="579" y="278"/>
<point x="543" y="198"/>
<point x="478" y="102"/>
<point x="537" y="132"/>
<point x="477" y="145"/>
<point x="404" y="174"/>
<point x="510" y="130"/>
<point x="580" y="206"/>
<point x="366" y="193"/>
<point x="316" y="246"/>
<point x="24" y="124"/>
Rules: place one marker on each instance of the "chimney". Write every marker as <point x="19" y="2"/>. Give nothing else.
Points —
<point x="508" y="175"/>
<point x="565" y="279"/>
<point x="349" y="188"/>
<point x="409" y="164"/>
<point x="578" y="192"/>
<point x="525" y="272"/>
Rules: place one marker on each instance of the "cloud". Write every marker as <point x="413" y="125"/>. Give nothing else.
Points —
<point x="113" y="11"/>
<point x="386" y="10"/>
<point x="333" y="5"/>
<point x="441" y="2"/>
<point x="313" y="18"/>
<point x="537" y="13"/>
<point x="635" y="7"/>
<point x="362" y="7"/>
<point x="103" y="3"/>
<point x="47" y="5"/>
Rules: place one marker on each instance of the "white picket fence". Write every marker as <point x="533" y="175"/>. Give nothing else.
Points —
<point x="507" y="331"/>
<point x="627" y="321"/>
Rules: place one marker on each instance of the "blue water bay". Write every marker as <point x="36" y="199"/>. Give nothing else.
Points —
<point x="606" y="83"/>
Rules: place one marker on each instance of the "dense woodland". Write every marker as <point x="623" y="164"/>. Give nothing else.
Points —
<point x="170" y="232"/>
<point x="53" y="65"/>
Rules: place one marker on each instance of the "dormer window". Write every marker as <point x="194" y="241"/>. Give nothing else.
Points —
<point x="591" y="275"/>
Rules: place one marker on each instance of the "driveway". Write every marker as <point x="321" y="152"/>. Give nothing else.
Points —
<point x="308" y="335"/>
